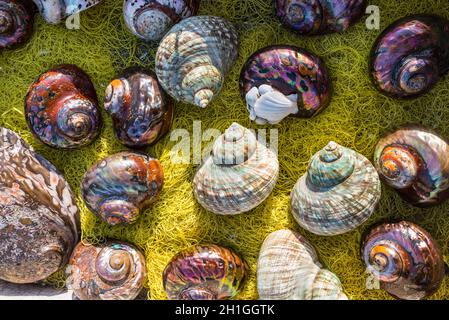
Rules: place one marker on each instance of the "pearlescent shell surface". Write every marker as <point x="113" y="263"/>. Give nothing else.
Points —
<point x="16" y="22"/>
<point x="204" y="272"/>
<point x="39" y="219"/>
<point x="405" y="259"/>
<point x="111" y="271"/>
<point x="54" y="11"/>
<point x="288" y="269"/>
<point x="339" y="192"/>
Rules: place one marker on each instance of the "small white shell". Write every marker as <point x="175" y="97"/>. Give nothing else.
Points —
<point x="54" y="11"/>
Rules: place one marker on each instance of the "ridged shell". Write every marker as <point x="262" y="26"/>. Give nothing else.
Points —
<point x="411" y="55"/>
<point x="111" y="271"/>
<point x="151" y="19"/>
<point x="338" y="193"/>
<point x="194" y="57"/>
<point x="61" y="108"/>
<point x="39" y="219"/>
<point x="141" y="111"/>
<point x="120" y="187"/>
<point x="405" y="259"/>
<point x="16" y="22"/>
<point x="281" y="80"/>
<point x="319" y="16"/>
<point x="54" y="11"/>
<point x="238" y="176"/>
<point x="204" y="272"/>
<point x="288" y="269"/>
<point x="415" y="162"/>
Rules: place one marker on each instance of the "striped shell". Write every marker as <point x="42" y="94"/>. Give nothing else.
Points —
<point x="194" y="57"/>
<point x="204" y="272"/>
<point x="54" y="11"/>
<point x="338" y="193"/>
<point x="16" y="22"/>
<point x="238" y="176"/>
<point x="288" y="269"/>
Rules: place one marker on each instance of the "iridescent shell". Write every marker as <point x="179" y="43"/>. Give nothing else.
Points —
<point x="39" y="219"/>
<point x="204" y="272"/>
<point x="194" y="57"/>
<point x="281" y="80"/>
<point x="319" y="16"/>
<point x="415" y="162"/>
<point x="410" y="56"/>
<point x="339" y="192"/>
<point x="288" y="269"/>
<point x="238" y="176"/>
<point x="16" y="22"/>
<point x="141" y="111"/>
<point x="120" y="187"/>
<point x="61" y="108"/>
<point x="54" y="11"/>
<point x="405" y="259"/>
<point x="111" y="271"/>
<point x="151" y="19"/>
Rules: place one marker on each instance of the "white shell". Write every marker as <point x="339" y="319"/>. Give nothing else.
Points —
<point x="54" y="11"/>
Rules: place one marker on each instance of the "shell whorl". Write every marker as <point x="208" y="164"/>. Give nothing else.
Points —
<point x="398" y="166"/>
<point x="112" y="265"/>
<point x="54" y="11"/>
<point x="16" y="22"/>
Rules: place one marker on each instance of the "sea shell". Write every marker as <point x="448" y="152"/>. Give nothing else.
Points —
<point x="288" y="269"/>
<point x="61" y="108"/>
<point x="151" y="19"/>
<point x="141" y="111"/>
<point x="194" y="57"/>
<point x="281" y="80"/>
<point x="415" y="162"/>
<point x="111" y="271"/>
<point x="119" y="187"/>
<point x="39" y="219"/>
<point x="410" y="56"/>
<point x="16" y="22"/>
<point x="204" y="272"/>
<point x="338" y="193"/>
<point x="54" y="11"/>
<point x="238" y="176"/>
<point x="319" y="16"/>
<point x="405" y="259"/>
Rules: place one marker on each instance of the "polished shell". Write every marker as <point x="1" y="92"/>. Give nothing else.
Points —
<point x="54" y="11"/>
<point x="16" y="22"/>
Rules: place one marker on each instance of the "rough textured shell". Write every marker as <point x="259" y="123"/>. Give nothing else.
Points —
<point x="16" y="22"/>
<point x="119" y="187"/>
<point x="238" y="176"/>
<point x="54" y="11"/>
<point x="410" y="55"/>
<point x="111" y="271"/>
<point x="319" y="16"/>
<point x="61" y="108"/>
<point x="141" y="111"/>
<point x="288" y="269"/>
<point x="280" y="80"/>
<point x="405" y="259"/>
<point x="151" y="19"/>
<point x="194" y="57"/>
<point x="338" y="193"/>
<point x="206" y="272"/>
<point x="39" y="220"/>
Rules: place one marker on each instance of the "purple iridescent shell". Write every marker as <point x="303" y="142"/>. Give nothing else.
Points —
<point x="410" y="56"/>
<point x="16" y="22"/>
<point x="319" y="16"/>
<point x="280" y="80"/>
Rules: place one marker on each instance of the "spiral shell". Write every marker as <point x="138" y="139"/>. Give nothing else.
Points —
<point x="238" y="176"/>
<point x="405" y="259"/>
<point x="338" y="193"/>
<point x="415" y="162"/>
<point x="54" y="11"/>
<point x="151" y="19"/>
<point x="281" y="80"/>
<point x="39" y="219"/>
<point x="111" y="271"/>
<point x="410" y="56"/>
<point x="204" y="272"/>
<point x="319" y="16"/>
<point x="141" y="111"/>
<point x="16" y="22"/>
<point x="288" y="269"/>
<point x="119" y="187"/>
<point x="194" y="57"/>
<point x="61" y="108"/>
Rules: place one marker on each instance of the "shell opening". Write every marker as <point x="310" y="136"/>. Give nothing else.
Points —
<point x="113" y="265"/>
<point x="197" y="293"/>
<point x="118" y="211"/>
<point x="417" y="74"/>
<point x="398" y="166"/>
<point x="6" y="22"/>
<point x="151" y="24"/>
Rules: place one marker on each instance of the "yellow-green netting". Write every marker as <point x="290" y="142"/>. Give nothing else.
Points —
<point x="356" y="118"/>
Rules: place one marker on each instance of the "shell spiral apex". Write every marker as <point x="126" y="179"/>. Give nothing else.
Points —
<point x="54" y="11"/>
<point x="16" y="22"/>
